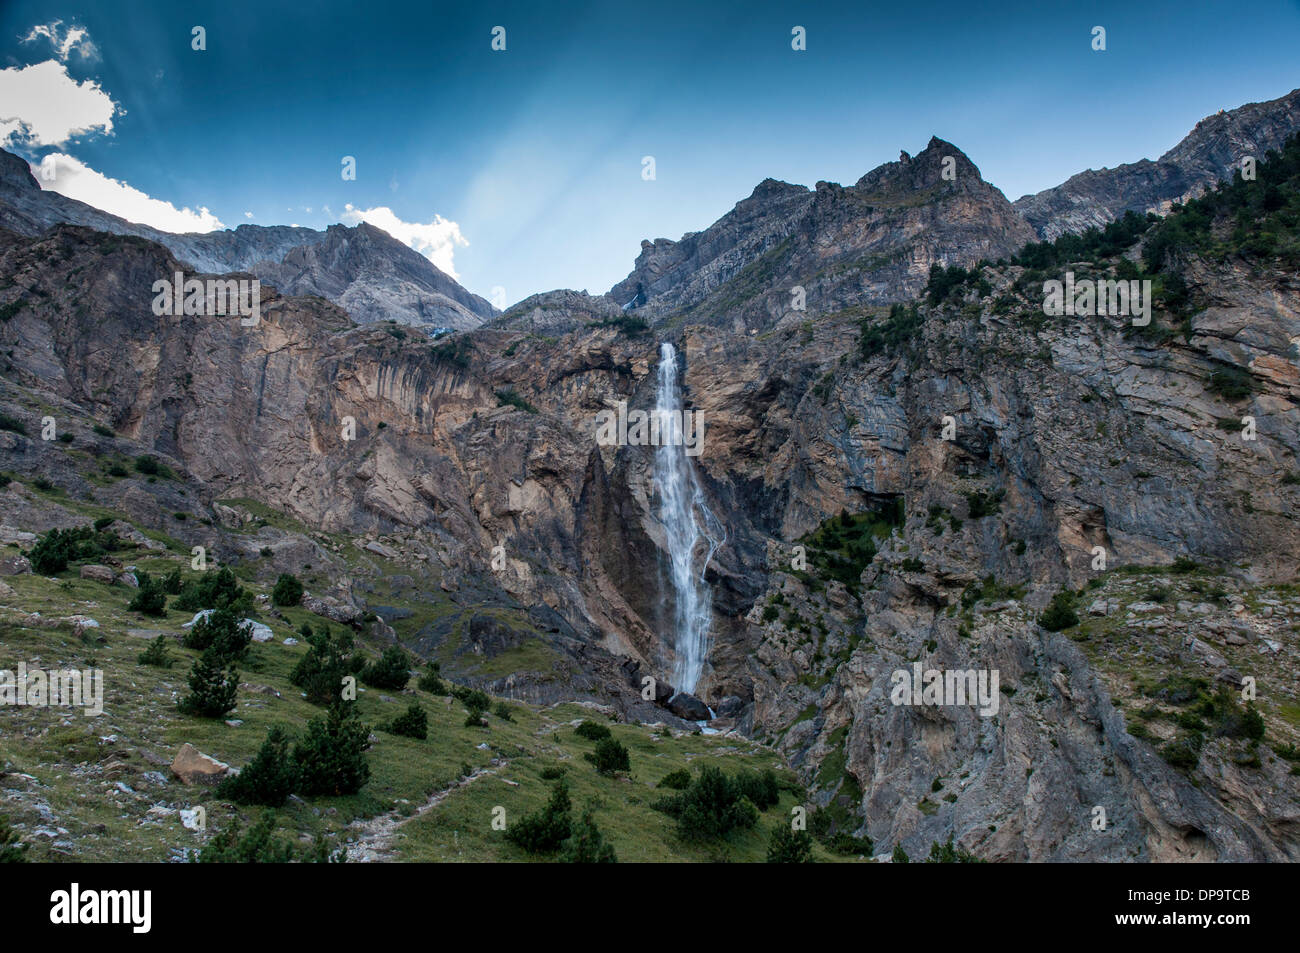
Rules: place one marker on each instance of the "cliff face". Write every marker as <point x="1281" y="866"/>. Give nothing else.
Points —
<point x="1081" y="433"/>
<point x="869" y="243"/>
<point x="1211" y="152"/>
<point x="365" y="271"/>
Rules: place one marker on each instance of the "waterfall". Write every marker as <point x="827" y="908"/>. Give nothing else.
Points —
<point x="692" y="532"/>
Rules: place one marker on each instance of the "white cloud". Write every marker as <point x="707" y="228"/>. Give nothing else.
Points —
<point x="248" y="215"/>
<point x="436" y="241"/>
<point x="41" y="105"/>
<point x="73" y="178"/>
<point x="65" y="40"/>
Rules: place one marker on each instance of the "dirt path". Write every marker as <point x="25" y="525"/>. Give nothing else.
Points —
<point x="376" y="841"/>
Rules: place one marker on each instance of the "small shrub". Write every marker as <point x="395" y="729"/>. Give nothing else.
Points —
<point x="610" y="757"/>
<point x="1184" y="752"/>
<point x="150" y="598"/>
<point x="762" y="788"/>
<point x="511" y="398"/>
<point x="592" y="731"/>
<point x="412" y="723"/>
<point x="214" y="590"/>
<point x="788" y="846"/>
<point x="431" y="680"/>
<point x="1060" y="613"/>
<point x="150" y="466"/>
<point x="54" y="551"/>
<point x="544" y="831"/>
<point x="585" y="844"/>
<point x="392" y="670"/>
<point x="269" y="778"/>
<point x="220" y="631"/>
<point x="156" y="654"/>
<point x="257" y="845"/>
<point x="287" y="591"/>
<point x="677" y="780"/>
<point x="948" y="854"/>
<point x="1232" y="383"/>
<point x="709" y="808"/>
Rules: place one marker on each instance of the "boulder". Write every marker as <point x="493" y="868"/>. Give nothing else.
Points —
<point x="194" y="767"/>
<point x="689" y="708"/>
<point x="332" y="609"/>
<point x="100" y="574"/>
<point x="15" y="566"/>
<point x="127" y="579"/>
<point x="1103" y="607"/>
<point x="731" y="707"/>
<point x="127" y="532"/>
<point x="258" y="631"/>
<point x="16" y="537"/>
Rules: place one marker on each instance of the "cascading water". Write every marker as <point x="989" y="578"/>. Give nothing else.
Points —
<point x="692" y="532"/>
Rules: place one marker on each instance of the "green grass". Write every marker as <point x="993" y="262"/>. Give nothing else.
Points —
<point x="77" y="761"/>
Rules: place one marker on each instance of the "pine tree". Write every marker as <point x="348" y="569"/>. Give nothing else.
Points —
<point x="150" y="597"/>
<point x="392" y="671"/>
<point x="586" y="845"/>
<point x="431" y="680"/>
<point x="223" y="631"/>
<point x="412" y="723"/>
<point x="269" y="778"/>
<point x="331" y="758"/>
<point x="789" y="846"/>
<point x="321" y="671"/>
<point x="610" y="757"/>
<point x="156" y="654"/>
<point x="214" y="683"/>
<point x="545" y="831"/>
<point x="12" y="850"/>
<point x="287" y="591"/>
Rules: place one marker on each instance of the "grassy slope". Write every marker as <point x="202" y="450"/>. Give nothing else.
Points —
<point x="77" y="762"/>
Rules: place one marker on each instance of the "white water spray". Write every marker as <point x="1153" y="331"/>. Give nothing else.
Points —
<point x="693" y="533"/>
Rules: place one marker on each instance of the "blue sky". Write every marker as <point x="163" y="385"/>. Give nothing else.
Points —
<point x="532" y="156"/>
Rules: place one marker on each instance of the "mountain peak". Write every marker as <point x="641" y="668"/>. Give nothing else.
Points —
<point x="923" y="170"/>
<point x="15" y="173"/>
<point x="774" y="188"/>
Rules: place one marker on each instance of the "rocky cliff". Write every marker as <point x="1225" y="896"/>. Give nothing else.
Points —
<point x="364" y="270"/>
<point x="1210" y="152"/>
<point x="872" y="242"/>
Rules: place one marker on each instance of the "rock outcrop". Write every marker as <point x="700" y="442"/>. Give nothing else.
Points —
<point x="362" y="269"/>
<point x="1213" y="151"/>
<point x="869" y="243"/>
